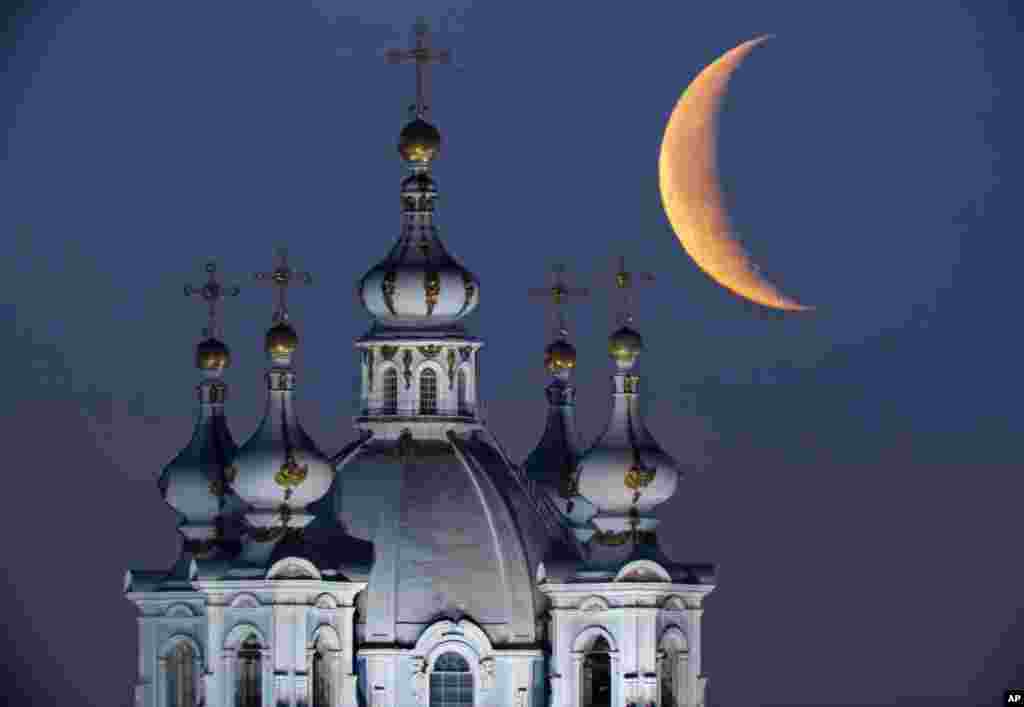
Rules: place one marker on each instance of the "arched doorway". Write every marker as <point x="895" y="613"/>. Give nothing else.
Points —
<point x="249" y="671"/>
<point x="451" y="682"/>
<point x="597" y="674"/>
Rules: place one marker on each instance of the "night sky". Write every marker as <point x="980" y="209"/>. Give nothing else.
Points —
<point x="854" y="472"/>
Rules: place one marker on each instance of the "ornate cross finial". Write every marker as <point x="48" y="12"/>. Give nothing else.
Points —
<point x="422" y="54"/>
<point x="625" y="281"/>
<point x="281" y="277"/>
<point x="559" y="292"/>
<point x="212" y="292"/>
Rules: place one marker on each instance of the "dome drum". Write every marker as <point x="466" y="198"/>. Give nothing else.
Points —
<point x="420" y="294"/>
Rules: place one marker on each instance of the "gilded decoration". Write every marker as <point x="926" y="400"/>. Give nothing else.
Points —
<point x="388" y="352"/>
<point x="621" y="538"/>
<point x="387" y="288"/>
<point x="429" y="351"/>
<point x="465" y="352"/>
<point x="407" y="362"/>
<point x="290" y="475"/>
<point x="451" y="368"/>
<point x="432" y="289"/>
<point x="630" y="383"/>
<point x="638" y="478"/>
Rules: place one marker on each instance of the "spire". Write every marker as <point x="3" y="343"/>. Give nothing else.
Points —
<point x="552" y="464"/>
<point x="280" y="469"/>
<point x="195" y="482"/>
<point x="419" y="284"/>
<point x="560" y="355"/>
<point x="625" y="473"/>
<point x="420" y="53"/>
<point x="212" y="356"/>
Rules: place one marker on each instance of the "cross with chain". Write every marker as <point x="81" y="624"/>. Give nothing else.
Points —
<point x="625" y="281"/>
<point x="422" y="54"/>
<point x="559" y="292"/>
<point x="212" y="292"/>
<point x="282" y="277"/>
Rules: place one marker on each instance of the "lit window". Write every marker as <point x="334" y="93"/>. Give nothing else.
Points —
<point x="428" y="392"/>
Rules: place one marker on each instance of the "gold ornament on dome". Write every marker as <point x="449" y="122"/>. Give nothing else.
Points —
<point x="637" y="478"/>
<point x="388" y="352"/>
<point x="430" y="350"/>
<point x="290" y="474"/>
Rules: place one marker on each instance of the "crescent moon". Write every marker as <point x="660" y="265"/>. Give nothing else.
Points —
<point x="690" y="191"/>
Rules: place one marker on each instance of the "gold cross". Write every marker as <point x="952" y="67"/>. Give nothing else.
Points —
<point x="212" y="292"/>
<point x="281" y="277"/>
<point x="559" y="292"/>
<point x="422" y="54"/>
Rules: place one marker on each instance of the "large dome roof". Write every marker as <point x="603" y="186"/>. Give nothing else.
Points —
<point x="454" y="534"/>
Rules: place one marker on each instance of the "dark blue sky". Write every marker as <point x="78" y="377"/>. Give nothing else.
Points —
<point x="855" y="472"/>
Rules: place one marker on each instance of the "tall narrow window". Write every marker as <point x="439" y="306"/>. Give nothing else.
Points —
<point x="463" y="399"/>
<point x="181" y="686"/>
<point x="250" y="672"/>
<point x="428" y="392"/>
<point x="597" y="681"/>
<point x="451" y="682"/>
<point x="389" y="391"/>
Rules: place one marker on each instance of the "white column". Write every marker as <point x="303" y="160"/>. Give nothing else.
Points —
<point x="160" y="684"/>
<point x="693" y="617"/>
<point x="227" y="678"/>
<point x="269" y="698"/>
<point x="576" y="685"/>
<point x="616" y="678"/>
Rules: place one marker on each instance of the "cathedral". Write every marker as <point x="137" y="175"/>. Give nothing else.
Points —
<point x="311" y="580"/>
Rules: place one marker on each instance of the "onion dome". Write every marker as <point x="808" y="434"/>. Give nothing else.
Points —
<point x="194" y="483"/>
<point x="419" y="141"/>
<point x="626" y="474"/>
<point x="281" y="340"/>
<point x="419" y="284"/>
<point x="559" y="356"/>
<point x="280" y="470"/>
<point x="624" y="346"/>
<point x="212" y="355"/>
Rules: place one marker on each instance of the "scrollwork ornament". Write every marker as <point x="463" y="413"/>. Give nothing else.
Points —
<point x="429" y="351"/>
<point x="407" y="362"/>
<point x="388" y="352"/>
<point x="387" y="288"/>
<point x="465" y="352"/>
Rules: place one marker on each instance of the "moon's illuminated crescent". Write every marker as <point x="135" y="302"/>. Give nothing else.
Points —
<point x="690" y="192"/>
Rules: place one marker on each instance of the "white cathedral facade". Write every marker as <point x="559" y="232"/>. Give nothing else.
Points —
<point x="419" y="566"/>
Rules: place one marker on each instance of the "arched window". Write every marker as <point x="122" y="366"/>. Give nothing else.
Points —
<point x="389" y="391"/>
<point x="462" y="394"/>
<point x="428" y="392"/>
<point x="668" y="687"/>
<point x="181" y="677"/>
<point x="451" y="682"/>
<point x="250" y="673"/>
<point x="597" y="677"/>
